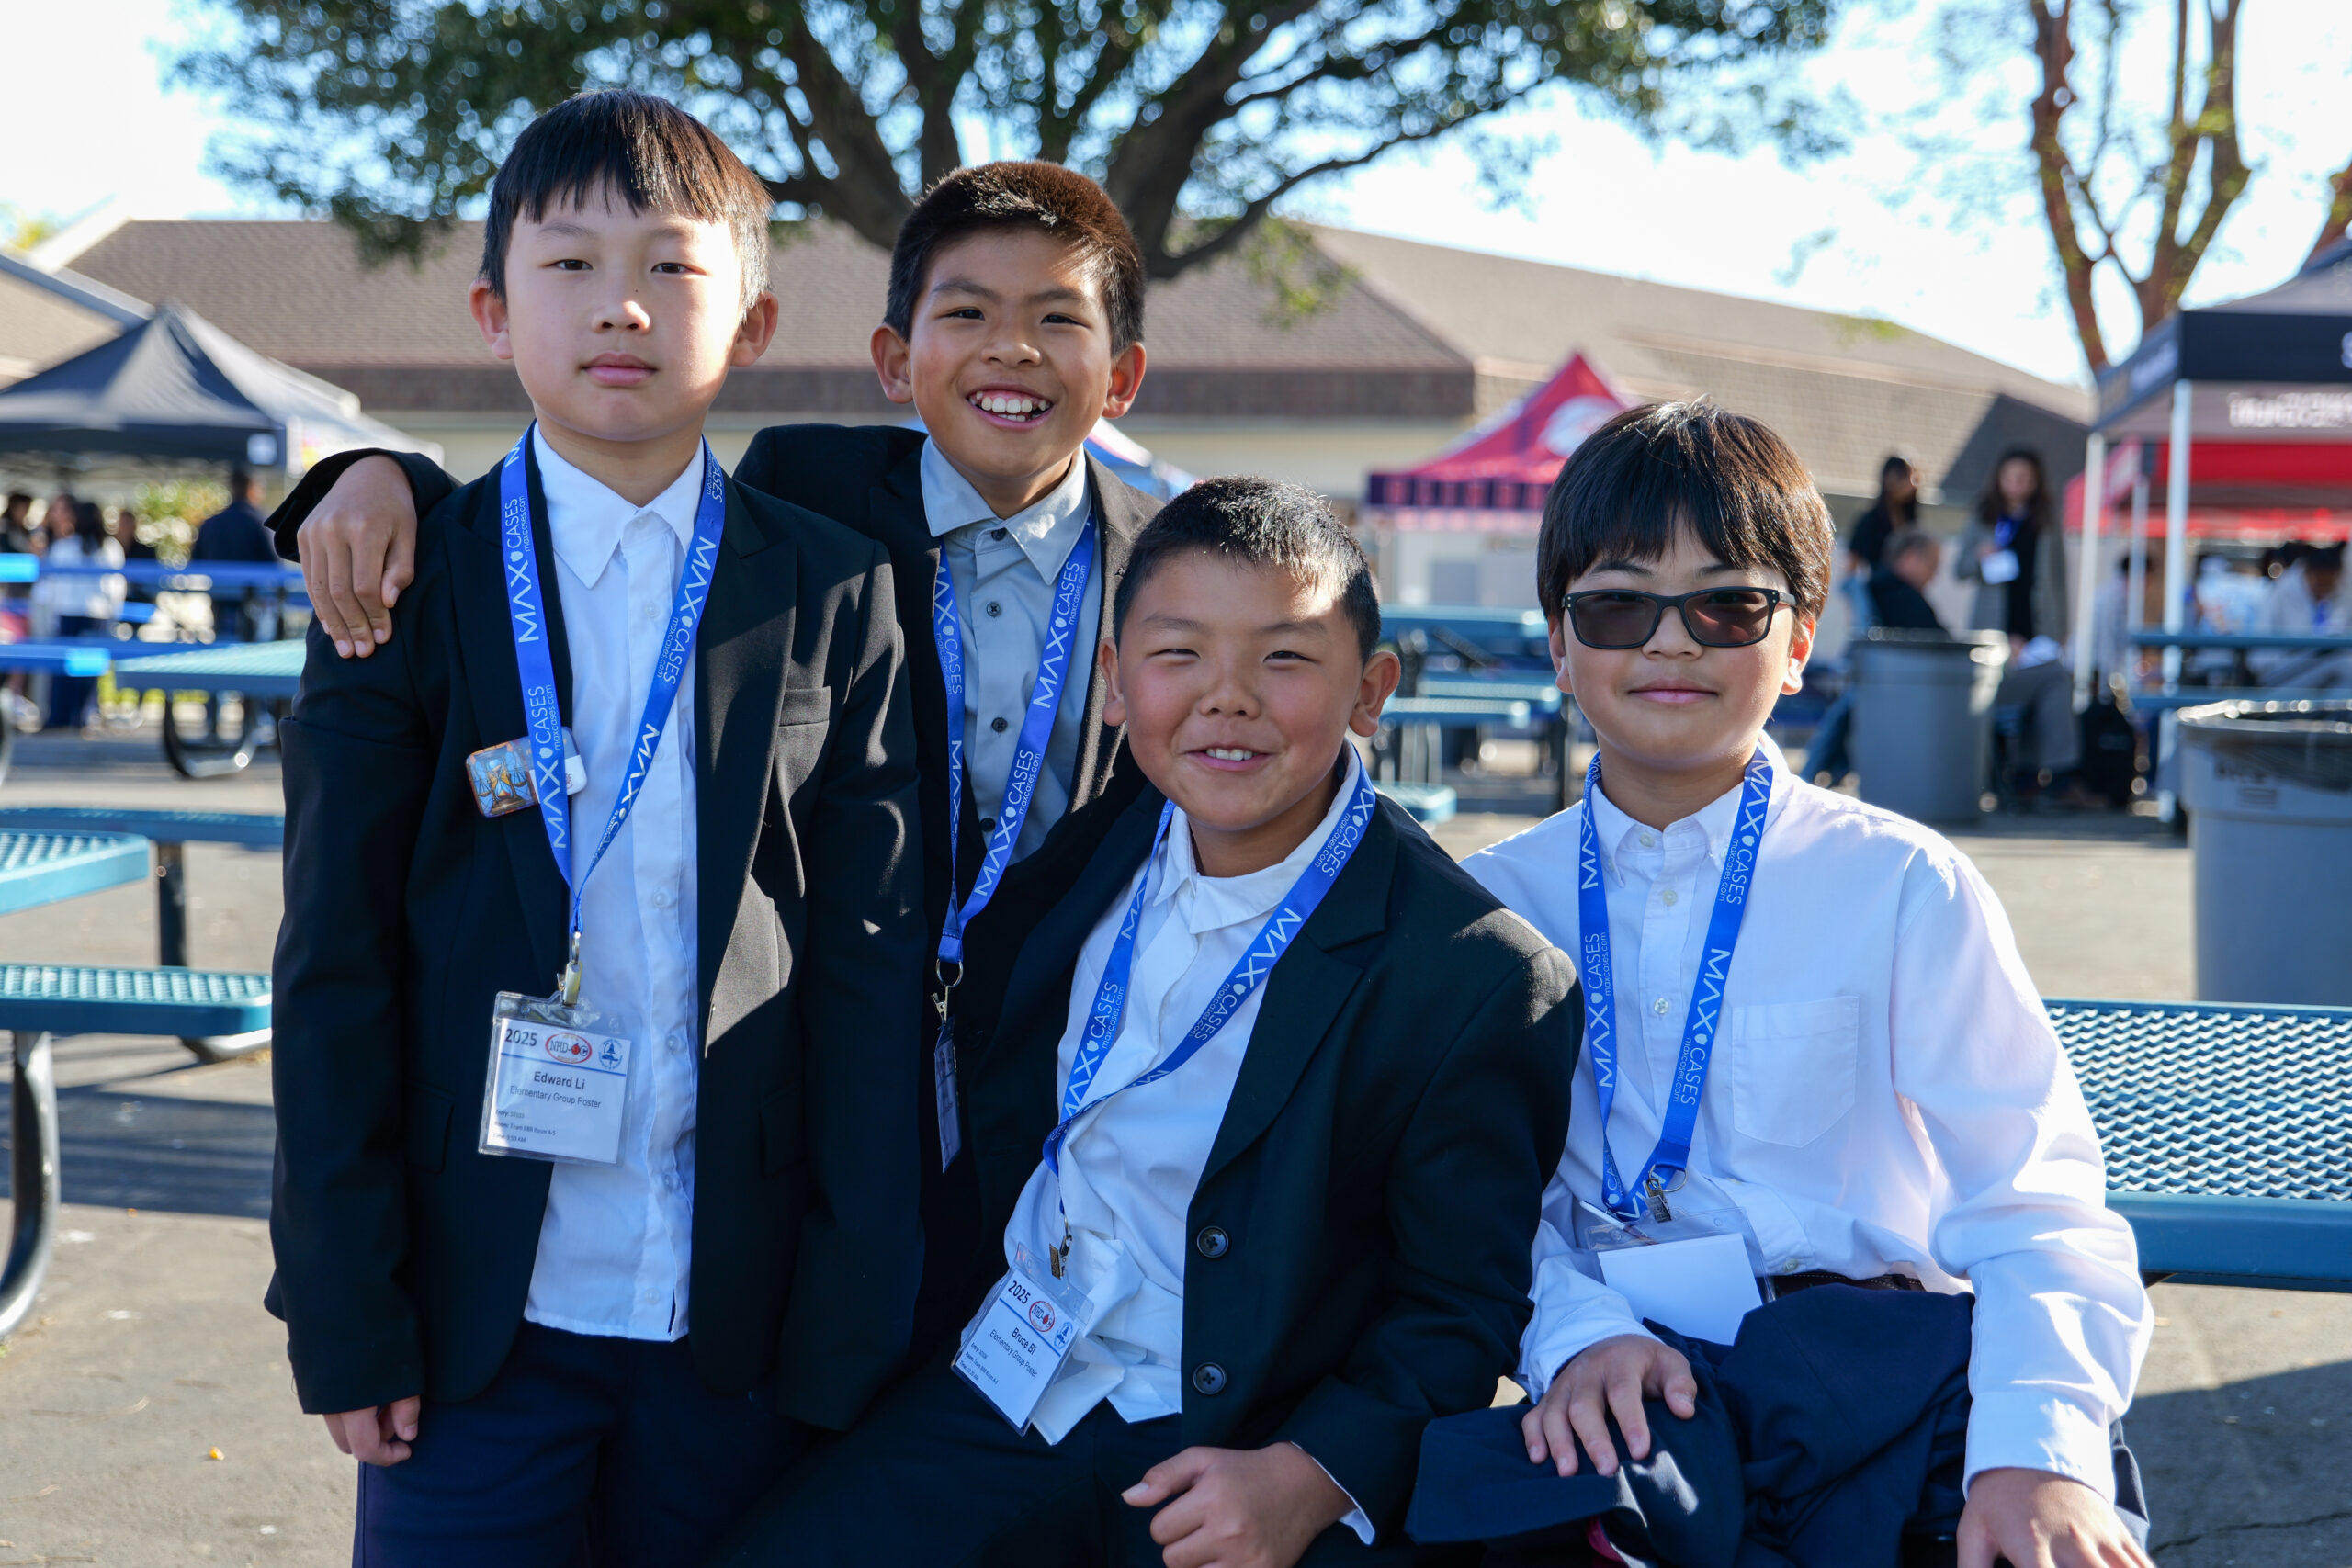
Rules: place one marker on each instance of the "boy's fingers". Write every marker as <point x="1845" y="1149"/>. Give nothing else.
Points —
<point x="334" y="1430"/>
<point x="318" y="581"/>
<point x="1683" y="1392"/>
<point x="399" y="571"/>
<point x="1560" y="1437"/>
<point x="1586" y="1414"/>
<point x="1531" y="1429"/>
<point x="1167" y="1478"/>
<point x="370" y="565"/>
<point x="1625" y="1401"/>
<point x="402" y="1415"/>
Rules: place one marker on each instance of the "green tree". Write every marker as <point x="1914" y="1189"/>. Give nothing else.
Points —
<point x="1198" y="115"/>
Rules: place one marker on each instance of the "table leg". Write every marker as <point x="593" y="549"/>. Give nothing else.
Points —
<point x="32" y="1140"/>
<point x="170" y="904"/>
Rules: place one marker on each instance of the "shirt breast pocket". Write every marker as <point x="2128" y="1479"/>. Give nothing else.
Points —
<point x="805" y="704"/>
<point x="1792" y="1067"/>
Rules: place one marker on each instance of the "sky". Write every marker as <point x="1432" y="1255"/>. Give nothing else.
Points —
<point x="1863" y="233"/>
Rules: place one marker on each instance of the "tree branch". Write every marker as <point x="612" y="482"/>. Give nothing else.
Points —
<point x="2339" y="213"/>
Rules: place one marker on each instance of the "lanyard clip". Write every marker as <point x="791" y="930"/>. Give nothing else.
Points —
<point x="568" y="986"/>
<point x="946" y="984"/>
<point x="1654" y="1193"/>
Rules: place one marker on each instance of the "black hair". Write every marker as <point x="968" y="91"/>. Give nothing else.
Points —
<point x="89" y="523"/>
<point x="1021" y="195"/>
<point x="1908" y="541"/>
<point x="18" y="500"/>
<point x="1909" y="511"/>
<point x="1260" y="523"/>
<point x="1652" y="471"/>
<point x="646" y="152"/>
<point x="239" y="481"/>
<point x="1990" y="505"/>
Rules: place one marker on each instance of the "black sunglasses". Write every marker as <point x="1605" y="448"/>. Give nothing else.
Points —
<point x="1715" y="617"/>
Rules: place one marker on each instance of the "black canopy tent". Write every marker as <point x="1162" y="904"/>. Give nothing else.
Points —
<point x="177" y="388"/>
<point x="2267" y="380"/>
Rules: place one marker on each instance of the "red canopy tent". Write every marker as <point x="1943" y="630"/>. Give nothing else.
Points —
<point x="1493" y="480"/>
<point x="2258" y="491"/>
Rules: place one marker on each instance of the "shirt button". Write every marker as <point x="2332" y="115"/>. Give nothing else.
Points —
<point x="1649" y="840"/>
<point x="662" y="900"/>
<point x="995" y="608"/>
<point x="998" y="725"/>
<point x="996" y="534"/>
<point x="988" y="824"/>
<point x="1658" y="1006"/>
<point x="1669" y="896"/>
<point x="677" y="1041"/>
<point x="1211" y="1242"/>
<point x="1208" y="1378"/>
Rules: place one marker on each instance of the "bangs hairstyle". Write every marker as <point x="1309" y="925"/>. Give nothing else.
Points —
<point x="644" y="151"/>
<point x="1021" y="195"/>
<point x="1654" y="470"/>
<point x="1260" y="523"/>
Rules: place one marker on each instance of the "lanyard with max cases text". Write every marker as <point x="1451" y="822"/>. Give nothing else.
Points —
<point x="1699" y="1026"/>
<point x="526" y="611"/>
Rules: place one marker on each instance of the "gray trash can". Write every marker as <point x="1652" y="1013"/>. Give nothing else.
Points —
<point x="1923" y="719"/>
<point x="2268" y="787"/>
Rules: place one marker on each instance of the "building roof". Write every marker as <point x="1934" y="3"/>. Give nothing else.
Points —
<point x="1408" y="332"/>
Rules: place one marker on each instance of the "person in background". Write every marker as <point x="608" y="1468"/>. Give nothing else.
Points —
<point x="16" y="539"/>
<point x="2012" y="551"/>
<point x="125" y="528"/>
<point x="81" y="603"/>
<point x="17" y="524"/>
<point x="237" y="534"/>
<point x="1897" y="507"/>
<point x="2308" y="598"/>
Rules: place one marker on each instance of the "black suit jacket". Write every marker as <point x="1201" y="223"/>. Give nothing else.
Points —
<point x="1899" y="606"/>
<point x="404" y="1256"/>
<point x="1379" y="1170"/>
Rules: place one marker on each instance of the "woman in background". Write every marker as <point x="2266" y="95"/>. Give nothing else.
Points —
<point x="81" y="602"/>
<point x="2011" y="549"/>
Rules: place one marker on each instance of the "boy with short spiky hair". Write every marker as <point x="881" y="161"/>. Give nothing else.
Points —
<point x="596" y="1197"/>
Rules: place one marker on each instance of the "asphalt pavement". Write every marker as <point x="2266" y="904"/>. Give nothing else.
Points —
<point x="148" y="1353"/>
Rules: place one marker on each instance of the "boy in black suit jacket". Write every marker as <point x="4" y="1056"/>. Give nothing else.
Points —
<point x="1015" y="284"/>
<point x="616" y="1344"/>
<point x="1297" y="1079"/>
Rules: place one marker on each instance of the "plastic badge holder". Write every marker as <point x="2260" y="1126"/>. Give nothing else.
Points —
<point x="558" y="1084"/>
<point x="1015" y="1345"/>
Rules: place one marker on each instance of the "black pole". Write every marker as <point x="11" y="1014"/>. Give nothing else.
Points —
<point x="32" y="1140"/>
<point x="170" y="903"/>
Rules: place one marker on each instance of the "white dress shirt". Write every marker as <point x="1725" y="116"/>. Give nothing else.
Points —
<point x="1886" y="1097"/>
<point x="1128" y="1171"/>
<point x="1004" y="570"/>
<point x="613" y="1245"/>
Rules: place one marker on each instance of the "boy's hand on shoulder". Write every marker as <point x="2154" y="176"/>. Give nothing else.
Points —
<point x="380" y="1435"/>
<point x="1238" y="1507"/>
<point x="1610" y="1378"/>
<point x="2032" y="1518"/>
<point x="358" y="550"/>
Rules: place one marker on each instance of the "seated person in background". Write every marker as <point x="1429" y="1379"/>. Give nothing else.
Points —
<point x="1855" y="1083"/>
<point x="1297" y="1081"/>
<point x="2045" y="691"/>
<point x="2307" y="600"/>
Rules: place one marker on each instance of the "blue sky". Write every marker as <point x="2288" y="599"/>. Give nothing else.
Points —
<point x="100" y="124"/>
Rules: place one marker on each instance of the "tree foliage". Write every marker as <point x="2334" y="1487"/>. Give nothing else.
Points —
<point x="1198" y="115"/>
<point x="2130" y="137"/>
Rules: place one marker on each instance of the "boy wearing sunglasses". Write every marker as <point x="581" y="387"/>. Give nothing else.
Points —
<point x="1812" y="1053"/>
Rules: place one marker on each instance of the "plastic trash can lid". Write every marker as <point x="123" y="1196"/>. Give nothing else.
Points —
<point x="2307" y="743"/>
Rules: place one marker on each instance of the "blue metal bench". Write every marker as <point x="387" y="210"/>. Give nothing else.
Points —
<point x="171" y="832"/>
<point x="260" y="672"/>
<point x="2228" y="1134"/>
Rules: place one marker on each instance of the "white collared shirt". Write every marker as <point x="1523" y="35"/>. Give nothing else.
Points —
<point x="1129" y="1170"/>
<point x="1003" y="570"/>
<point x="1886" y="1096"/>
<point x="613" y="1245"/>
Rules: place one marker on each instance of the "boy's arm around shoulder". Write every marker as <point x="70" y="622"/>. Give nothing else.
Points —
<point x="432" y="484"/>
<point x="358" y="755"/>
<point x="1464" y="1194"/>
<point x="862" y="1005"/>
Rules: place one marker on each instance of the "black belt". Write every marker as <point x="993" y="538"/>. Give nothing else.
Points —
<point x="1787" y="1284"/>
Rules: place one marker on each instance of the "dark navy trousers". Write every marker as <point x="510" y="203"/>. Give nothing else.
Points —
<point x="583" y="1452"/>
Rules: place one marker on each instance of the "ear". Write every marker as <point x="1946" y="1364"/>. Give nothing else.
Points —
<point x="758" y="330"/>
<point x="1115" y="701"/>
<point x="1381" y="673"/>
<point x="893" y="359"/>
<point x="489" y="315"/>
<point x="1559" y="636"/>
<point x="1799" y="651"/>
<point x="1126" y="380"/>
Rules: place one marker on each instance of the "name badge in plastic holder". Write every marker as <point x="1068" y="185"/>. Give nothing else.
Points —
<point x="559" y="1082"/>
<point x="1020" y="1339"/>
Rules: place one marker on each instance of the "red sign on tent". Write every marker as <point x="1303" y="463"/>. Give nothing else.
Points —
<point x="1493" y="480"/>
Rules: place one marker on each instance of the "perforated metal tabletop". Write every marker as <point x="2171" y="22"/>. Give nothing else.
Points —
<point x="2227" y="1130"/>
<point x="71" y="999"/>
<point x="41" y="868"/>
<point x="254" y="669"/>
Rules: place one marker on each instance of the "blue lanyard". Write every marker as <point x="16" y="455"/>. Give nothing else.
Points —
<point x="2005" y="530"/>
<point x="1256" y="963"/>
<point x="526" y="609"/>
<point x="1037" y="731"/>
<point x="1699" y="1027"/>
